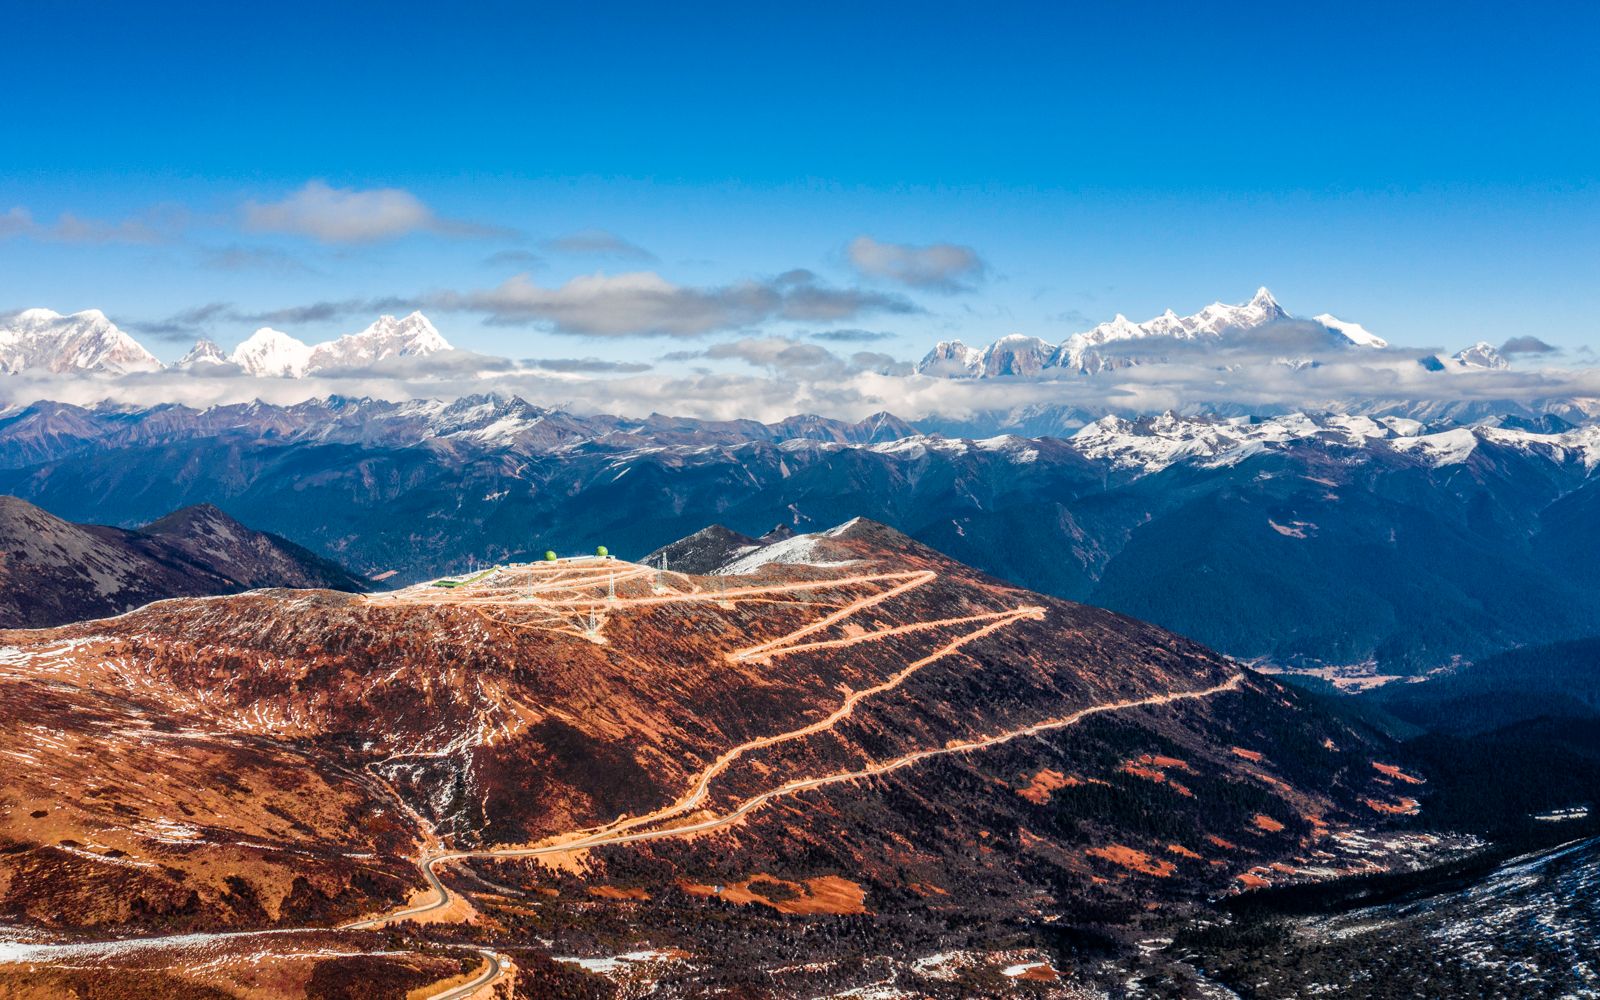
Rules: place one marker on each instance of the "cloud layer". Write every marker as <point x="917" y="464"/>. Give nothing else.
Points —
<point x="776" y="377"/>
<point x="644" y="304"/>
<point x="597" y="243"/>
<point x="69" y="228"/>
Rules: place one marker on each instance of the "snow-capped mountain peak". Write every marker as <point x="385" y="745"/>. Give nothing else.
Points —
<point x="1016" y="354"/>
<point x="1219" y="316"/>
<point x="952" y="358"/>
<point x="1480" y="355"/>
<point x="45" y="340"/>
<point x="204" y="352"/>
<point x="387" y="337"/>
<point x="272" y="354"/>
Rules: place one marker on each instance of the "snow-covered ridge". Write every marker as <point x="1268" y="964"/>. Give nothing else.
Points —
<point x="1153" y="444"/>
<point x="1353" y="332"/>
<point x="1086" y="352"/>
<point x="498" y="424"/>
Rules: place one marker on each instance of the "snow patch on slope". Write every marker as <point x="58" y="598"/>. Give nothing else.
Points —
<point x="798" y="550"/>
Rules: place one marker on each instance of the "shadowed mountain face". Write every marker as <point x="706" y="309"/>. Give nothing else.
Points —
<point x="603" y="755"/>
<point x="53" y="571"/>
<point x="251" y="558"/>
<point x="1304" y="540"/>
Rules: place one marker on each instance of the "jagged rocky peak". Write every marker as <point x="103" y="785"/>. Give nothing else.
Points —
<point x="951" y="358"/>
<point x="1265" y="303"/>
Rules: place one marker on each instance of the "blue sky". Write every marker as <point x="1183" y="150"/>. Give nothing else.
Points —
<point x="1429" y="171"/>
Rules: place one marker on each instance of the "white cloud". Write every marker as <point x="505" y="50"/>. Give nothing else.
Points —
<point x="642" y="303"/>
<point x="348" y="215"/>
<point x="942" y="267"/>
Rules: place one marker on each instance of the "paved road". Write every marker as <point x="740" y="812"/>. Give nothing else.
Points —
<point x="490" y="975"/>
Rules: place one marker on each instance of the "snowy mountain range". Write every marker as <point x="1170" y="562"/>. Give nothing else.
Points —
<point x="40" y="340"/>
<point x="1106" y="346"/>
<point x="43" y="341"/>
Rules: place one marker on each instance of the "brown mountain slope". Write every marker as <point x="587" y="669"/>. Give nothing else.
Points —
<point x="53" y="571"/>
<point x="597" y="755"/>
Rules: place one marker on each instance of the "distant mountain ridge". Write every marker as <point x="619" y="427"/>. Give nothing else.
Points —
<point x="53" y="571"/>
<point x="1303" y="538"/>
<point x="48" y="431"/>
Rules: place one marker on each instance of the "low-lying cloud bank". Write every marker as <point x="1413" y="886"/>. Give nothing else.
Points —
<point x="787" y="377"/>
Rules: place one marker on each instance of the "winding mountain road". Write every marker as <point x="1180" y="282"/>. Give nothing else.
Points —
<point x="613" y="838"/>
<point x="657" y="824"/>
<point x="492" y="973"/>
